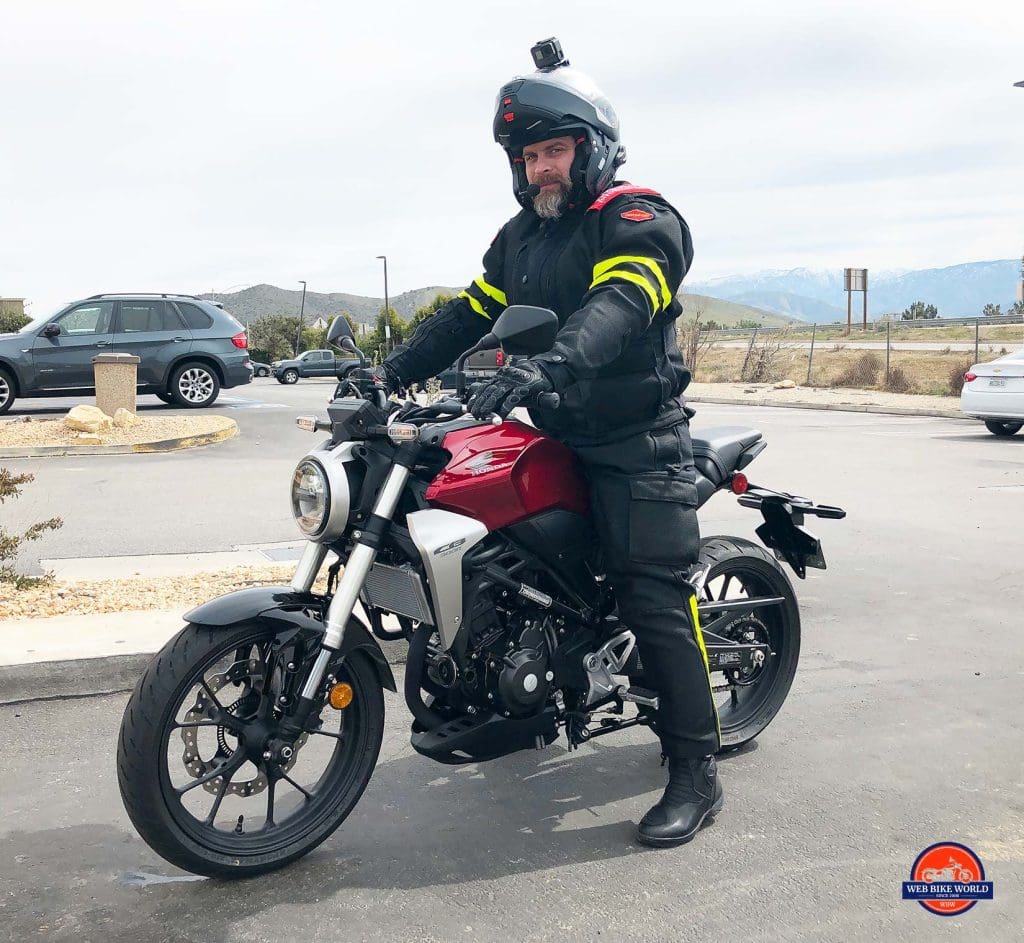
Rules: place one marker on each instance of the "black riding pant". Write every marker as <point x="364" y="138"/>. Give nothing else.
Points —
<point x="643" y="503"/>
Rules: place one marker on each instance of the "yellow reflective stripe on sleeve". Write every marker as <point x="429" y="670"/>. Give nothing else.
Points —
<point x="704" y="654"/>
<point x="630" y="277"/>
<point x="647" y="263"/>
<point x="496" y="293"/>
<point x="474" y="304"/>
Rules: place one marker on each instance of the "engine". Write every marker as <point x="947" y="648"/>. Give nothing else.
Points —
<point x="507" y="666"/>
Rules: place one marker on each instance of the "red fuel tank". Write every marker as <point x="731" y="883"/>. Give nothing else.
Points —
<point x="503" y="474"/>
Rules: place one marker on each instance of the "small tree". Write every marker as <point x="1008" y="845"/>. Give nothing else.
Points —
<point x="1017" y="308"/>
<point x="11" y="321"/>
<point x="275" y="334"/>
<point x="992" y="311"/>
<point x="11" y="487"/>
<point x="428" y="310"/>
<point x="377" y="341"/>
<point x="919" y="310"/>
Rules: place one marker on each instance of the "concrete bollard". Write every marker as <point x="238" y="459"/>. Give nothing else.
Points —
<point x="116" y="381"/>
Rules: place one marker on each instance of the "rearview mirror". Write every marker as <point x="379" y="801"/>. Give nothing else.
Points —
<point x="524" y="330"/>
<point x="51" y="330"/>
<point x="338" y="331"/>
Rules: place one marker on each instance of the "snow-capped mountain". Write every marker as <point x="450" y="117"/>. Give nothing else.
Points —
<point x="957" y="290"/>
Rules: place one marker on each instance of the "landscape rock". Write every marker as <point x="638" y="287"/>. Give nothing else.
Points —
<point x="88" y="419"/>
<point x="785" y="385"/>
<point x="125" y="419"/>
<point x="87" y="438"/>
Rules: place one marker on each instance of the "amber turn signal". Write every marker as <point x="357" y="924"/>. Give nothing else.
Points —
<point x="341" y="696"/>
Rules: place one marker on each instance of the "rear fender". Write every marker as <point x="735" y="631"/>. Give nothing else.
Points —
<point x="282" y="607"/>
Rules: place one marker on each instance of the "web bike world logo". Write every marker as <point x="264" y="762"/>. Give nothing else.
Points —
<point x="947" y="879"/>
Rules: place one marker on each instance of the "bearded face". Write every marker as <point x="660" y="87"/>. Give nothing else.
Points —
<point x="548" y="165"/>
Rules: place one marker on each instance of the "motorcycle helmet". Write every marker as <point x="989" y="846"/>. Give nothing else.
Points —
<point x="558" y="100"/>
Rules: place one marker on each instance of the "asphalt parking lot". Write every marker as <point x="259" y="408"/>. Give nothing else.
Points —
<point x="901" y="731"/>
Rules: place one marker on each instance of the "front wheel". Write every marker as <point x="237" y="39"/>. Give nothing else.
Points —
<point x="290" y="377"/>
<point x="748" y="700"/>
<point x="1003" y="429"/>
<point x="204" y="776"/>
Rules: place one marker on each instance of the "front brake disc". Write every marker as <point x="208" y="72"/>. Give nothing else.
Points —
<point x="241" y="672"/>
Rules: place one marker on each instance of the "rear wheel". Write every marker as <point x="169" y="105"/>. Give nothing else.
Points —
<point x="203" y="777"/>
<point x="165" y="398"/>
<point x="194" y="385"/>
<point x="6" y="391"/>
<point x="1003" y="428"/>
<point x="748" y="700"/>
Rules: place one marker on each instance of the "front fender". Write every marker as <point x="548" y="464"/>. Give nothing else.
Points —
<point x="282" y="605"/>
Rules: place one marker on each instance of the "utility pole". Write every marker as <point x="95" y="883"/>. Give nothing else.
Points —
<point x="302" y="309"/>
<point x="387" y="307"/>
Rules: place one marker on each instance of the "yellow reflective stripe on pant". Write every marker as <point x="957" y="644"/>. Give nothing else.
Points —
<point x="642" y="260"/>
<point x="704" y="654"/>
<point x="635" y="279"/>
<point x="474" y="304"/>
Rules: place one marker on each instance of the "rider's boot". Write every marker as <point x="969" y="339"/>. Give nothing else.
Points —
<point x="692" y="795"/>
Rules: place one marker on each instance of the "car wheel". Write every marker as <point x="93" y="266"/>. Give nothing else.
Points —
<point x="165" y="398"/>
<point x="6" y="391"/>
<point x="263" y="373"/>
<point x="194" y="385"/>
<point x="996" y="428"/>
<point x="290" y="376"/>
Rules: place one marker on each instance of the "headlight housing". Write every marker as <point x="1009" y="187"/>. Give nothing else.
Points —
<point x="321" y="494"/>
<point x="311" y="497"/>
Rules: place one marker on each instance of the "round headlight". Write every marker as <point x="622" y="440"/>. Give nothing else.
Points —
<point x="311" y="497"/>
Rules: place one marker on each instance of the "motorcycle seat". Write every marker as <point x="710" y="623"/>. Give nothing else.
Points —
<point x="721" y="450"/>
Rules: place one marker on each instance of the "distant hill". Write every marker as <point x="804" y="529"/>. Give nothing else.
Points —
<point x="251" y="303"/>
<point x="728" y="313"/>
<point x="956" y="290"/>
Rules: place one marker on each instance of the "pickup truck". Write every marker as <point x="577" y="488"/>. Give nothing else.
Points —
<point x="313" y="363"/>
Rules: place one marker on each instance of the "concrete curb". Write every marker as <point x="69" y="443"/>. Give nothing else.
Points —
<point x="92" y="677"/>
<point x="838" y="407"/>
<point x="160" y="445"/>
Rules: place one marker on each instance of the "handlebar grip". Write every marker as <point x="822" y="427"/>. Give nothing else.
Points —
<point x="549" y="400"/>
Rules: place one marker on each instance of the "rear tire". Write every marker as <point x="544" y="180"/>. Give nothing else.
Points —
<point x="165" y="398"/>
<point x="6" y="391"/>
<point x="1001" y="429"/>
<point x="149" y="757"/>
<point x="741" y="568"/>
<point x="194" y="385"/>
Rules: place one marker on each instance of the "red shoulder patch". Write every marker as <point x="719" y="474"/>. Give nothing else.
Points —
<point x="638" y="216"/>
<point x="605" y="198"/>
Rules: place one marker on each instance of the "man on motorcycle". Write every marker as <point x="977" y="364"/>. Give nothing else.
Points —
<point x="608" y="259"/>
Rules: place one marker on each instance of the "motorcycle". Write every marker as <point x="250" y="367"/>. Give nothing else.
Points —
<point x="253" y="733"/>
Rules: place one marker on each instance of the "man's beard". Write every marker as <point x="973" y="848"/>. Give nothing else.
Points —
<point x="549" y="204"/>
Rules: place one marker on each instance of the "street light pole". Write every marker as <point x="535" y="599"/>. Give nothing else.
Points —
<point x="387" y="306"/>
<point x="302" y="308"/>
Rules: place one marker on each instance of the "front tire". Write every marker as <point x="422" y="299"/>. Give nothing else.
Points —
<point x="1001" y="429"/>
<point x="158" y="776"/>
<point x="6" y="391"/>
<point x="194" y="385"/>
<point x="290" y="376"/>
<point x="748" y="702"/>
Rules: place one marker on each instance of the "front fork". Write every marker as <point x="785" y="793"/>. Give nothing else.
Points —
<point x="344" y="600"/>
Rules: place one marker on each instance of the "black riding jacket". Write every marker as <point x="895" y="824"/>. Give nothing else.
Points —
<point x="610" y="272"/>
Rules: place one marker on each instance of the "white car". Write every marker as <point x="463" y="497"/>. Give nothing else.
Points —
<point x="994" y="392"/>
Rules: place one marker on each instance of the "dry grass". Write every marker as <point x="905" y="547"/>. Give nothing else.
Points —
<point x="59" y="597"/>
<point x="926" y="372"/>
<point x="1013" y="334"/>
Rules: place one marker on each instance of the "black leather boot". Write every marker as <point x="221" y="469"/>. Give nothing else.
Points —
<point x="692" y="795"/>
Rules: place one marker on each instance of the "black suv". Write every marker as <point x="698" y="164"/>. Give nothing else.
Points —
<point x="188" y="348"/>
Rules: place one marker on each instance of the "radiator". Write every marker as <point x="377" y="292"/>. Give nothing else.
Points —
<point x="397" y="589"/>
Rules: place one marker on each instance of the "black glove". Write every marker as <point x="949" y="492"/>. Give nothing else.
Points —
<point x="512" y="385"/>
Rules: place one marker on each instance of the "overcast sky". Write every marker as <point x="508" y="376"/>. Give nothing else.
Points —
<point x="196" y="146"/>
